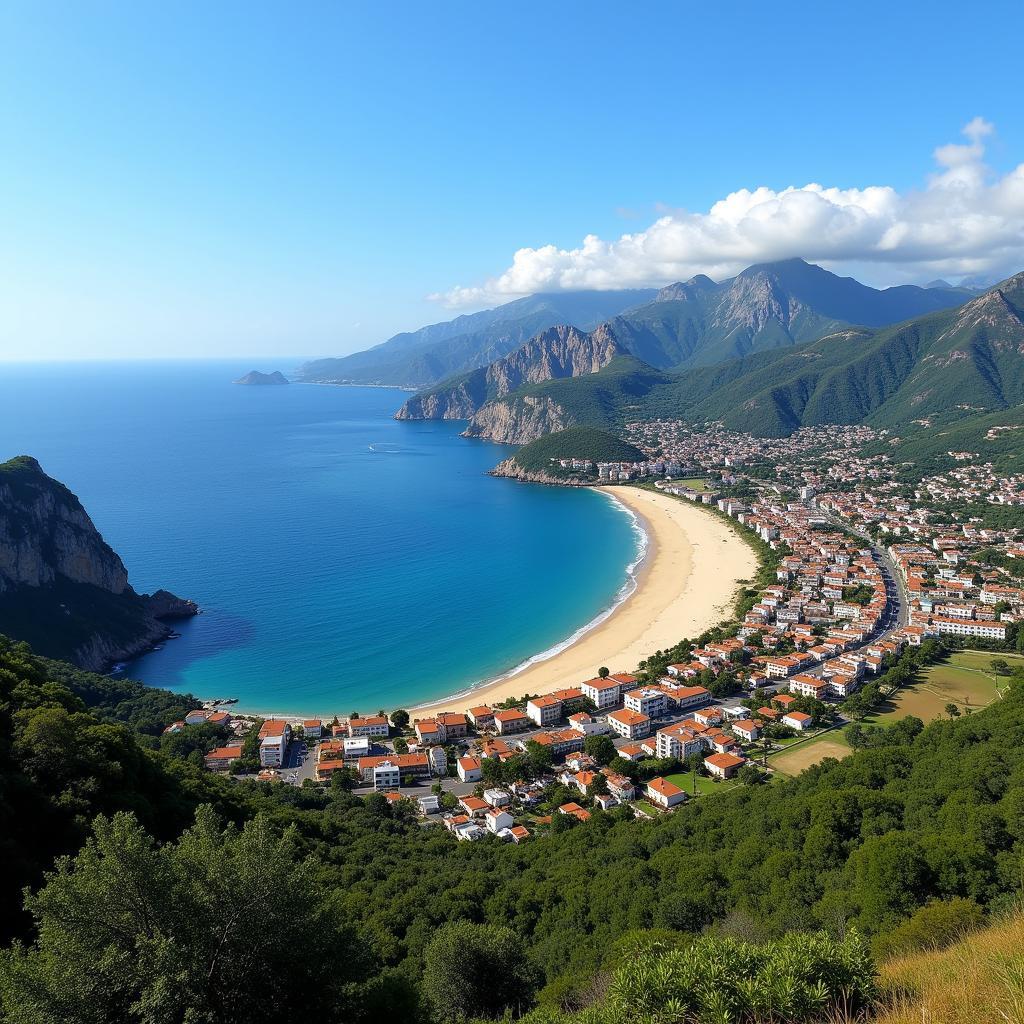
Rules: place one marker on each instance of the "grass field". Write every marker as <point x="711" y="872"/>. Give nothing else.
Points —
<point x="695" y="483"/>
<point x="705" y="784"/>
<point x="792" y="762"/>
<point x="965" y="679"/>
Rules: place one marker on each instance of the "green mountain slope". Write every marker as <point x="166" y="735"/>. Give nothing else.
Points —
<point x="578" y="443"/>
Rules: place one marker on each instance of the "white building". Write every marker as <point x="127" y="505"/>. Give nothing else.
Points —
<point x="469" y="769"/>
<point x="647" y="701"/>
<point x="497" y="818"/>
<point x="544" y="711"/>
<point x="386" y="776"/>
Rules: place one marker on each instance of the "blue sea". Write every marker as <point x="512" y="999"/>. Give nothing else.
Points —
<point x="343" y="560"/>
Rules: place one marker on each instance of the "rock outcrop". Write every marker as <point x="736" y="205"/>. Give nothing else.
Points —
<point x="259" y="379"/>
<point x="558" y="352"/>
<point x="518" y="420"/>
<point x="62" y="587"/>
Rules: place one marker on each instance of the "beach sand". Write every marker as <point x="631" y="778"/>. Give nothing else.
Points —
<point x="686" y="583"/>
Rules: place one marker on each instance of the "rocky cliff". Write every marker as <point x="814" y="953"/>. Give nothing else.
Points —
<point x="518" y="420"/>
<point x="62" y="587"/>
<point x="558" y="352"/>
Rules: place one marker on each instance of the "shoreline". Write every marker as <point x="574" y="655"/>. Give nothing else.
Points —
<point x="685" y="580"/>
<point x="686" y="583"/>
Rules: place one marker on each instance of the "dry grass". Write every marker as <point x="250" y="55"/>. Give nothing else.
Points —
<point x="978" y="981"/>
<point x="792" y="762"/>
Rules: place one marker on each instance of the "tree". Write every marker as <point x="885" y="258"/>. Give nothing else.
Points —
<point x="749" y="775"/>
<point x="539" y="759"/>
<point x="603" y="672"/>
<point x="400" y="718"/>
<point x="130" y="931"/>
<point x="952" y="710"/>
<point x="477" y="970"/>
<point x="600" y="748"/>
<point x="401" y="745"/>
<point x="1000" y="666"/>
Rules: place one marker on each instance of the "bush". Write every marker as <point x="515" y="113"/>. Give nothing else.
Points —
<point x="935" y="926"/>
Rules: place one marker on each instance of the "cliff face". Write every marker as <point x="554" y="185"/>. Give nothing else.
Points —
<point x="62" y="587"/>
<point x="562" y="351"/>
<point x="511" y="469"/>
<point x="517" y="421"/>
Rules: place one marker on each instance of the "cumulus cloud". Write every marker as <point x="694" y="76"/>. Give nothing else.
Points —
<point x="966" y="220"/>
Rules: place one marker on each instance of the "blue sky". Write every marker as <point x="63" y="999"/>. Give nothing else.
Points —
<point x="291" y="180"/>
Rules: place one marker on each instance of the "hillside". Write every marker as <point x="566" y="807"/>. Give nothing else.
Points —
<point x="768" y="308"/>
<point x="550" y="355"/>
<point x="62" y="588"/>
<point x="536" y="460"/>
<point x="420" y="359"/>
<point x="968" y="360"/>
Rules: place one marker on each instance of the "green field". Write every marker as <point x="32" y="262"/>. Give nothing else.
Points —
<point x="695" y="483"/>
<point x="965" y="679"/>
<point x="705" y="784"/>
<point x="803" y="755"/>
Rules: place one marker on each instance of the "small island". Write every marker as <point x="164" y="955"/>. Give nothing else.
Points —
<point x="256" y="377"/>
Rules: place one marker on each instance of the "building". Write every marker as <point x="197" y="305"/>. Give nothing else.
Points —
<point x="586" y="724"/>
<point x="631" y="725"/>
<point x="679" y="741"/>
<point x="544" y="711"/>
<point x="429" y="731"/>
<point x="747" y="729"/>
<point x="373" y="726"/>
<point x="416" y="765"/>
<point x="575" y="811"/>
<point x="988" y="630"/>
<point x="648" y="700"/>
<point x="510" y="721"/>
<point x="797" y="720"/>
<point x="312" y="728"/>
<point x="724" y="766"/>
<point x="386" y="776"/>
<point x="353" y="748"/>
<point x="455" y="725"/>
<point x="474" y="806"/>
<point x="605" y="693"/>
<point x="664" y="793"/>
<point x="498" y="818"/>
<point x="429" y="804"/>
<point x="688" y="697"/>
<point x="482" y="717"/>
<point x="196" y="717"/>
<point x="438" y="760"/>
<point x="469" y="769"/>
<point x="274" y="738"/>
<point x="219" y="760"/>
<point x="497" y="797"/>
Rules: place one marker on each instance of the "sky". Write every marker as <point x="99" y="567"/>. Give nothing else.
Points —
<point x="295" y="180"/>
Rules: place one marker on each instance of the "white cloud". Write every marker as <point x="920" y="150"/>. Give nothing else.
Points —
<point x="966" y="220"/>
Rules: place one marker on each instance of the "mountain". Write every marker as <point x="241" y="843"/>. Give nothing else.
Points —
<point x="968" y="360"/>
<point x="62" y="587"/>
<point x="767" y="307"/>
<point x="257" y="378"/>
<point x="420" y="359"/>
<point x="534" y="461"/>
<point x="558" y="352"/>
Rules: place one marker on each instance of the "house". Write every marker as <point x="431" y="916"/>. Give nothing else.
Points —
<point x="574" y="810"/>
<point x="605" y="801"/>
<point x="469" y="832"/>
<point x="708" y="716"/>
<point x="583" y="780"/>
<point x="429" y="804"/>
<point x="455" y="725"/>
<point x="510" y="721"/>
<point x="633" y="752"/>
<point x="748" y="729"/>
<point x="620" y="786"/>
<point x="724" y="766"/>
<point x="687" y="697"/>
<point x="605" y="693"/>
<point x="518" y="834"/>
<point x="631" y="725"/>
<point x="274" y="738"/>
<point x="664" y="793"/>
<point x="497" y="797"/>
<point x="497" y="818"/>
<point x="544" y="711"/>
<point x="808" y="686"/>
<point x="469" y="769"/>
<point x="219" y="760"/>
<point x="429" y="731"/>
<point x="353" y="749"/>
<point x="196" y="717"/>
<point x="783" y="700"/>
<point x="312" y="728"/>
<point x="561" y="743"/>
<point x="377" y="725"/>
<point x="474" y="806"/>
<point x="482" y="717"/>
<point x="219" y="718"/>
<point x="797" y="720"/>
<point x="174" y="727"/>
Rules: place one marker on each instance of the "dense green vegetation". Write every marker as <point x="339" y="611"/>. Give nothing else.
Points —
<point x="916" y="815"/>
<point x="579" y="443"/>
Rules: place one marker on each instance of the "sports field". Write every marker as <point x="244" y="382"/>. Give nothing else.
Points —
<point x="794" y="761"/>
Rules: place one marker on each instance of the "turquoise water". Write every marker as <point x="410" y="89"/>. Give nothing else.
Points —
<point x="343" y="560"/>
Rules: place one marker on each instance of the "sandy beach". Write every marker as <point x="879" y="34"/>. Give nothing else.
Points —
<point x="686" y="583"/>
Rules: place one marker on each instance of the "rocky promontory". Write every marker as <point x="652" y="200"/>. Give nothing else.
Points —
<point x="62" y="587"/>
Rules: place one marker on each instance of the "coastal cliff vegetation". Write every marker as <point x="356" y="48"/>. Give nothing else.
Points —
<point x="183" y="896"/>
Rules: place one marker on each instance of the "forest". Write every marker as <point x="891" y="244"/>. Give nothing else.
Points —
<point x="158" y="892"/>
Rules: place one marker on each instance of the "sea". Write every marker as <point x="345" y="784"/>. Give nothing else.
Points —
<point x="343" y="560"/>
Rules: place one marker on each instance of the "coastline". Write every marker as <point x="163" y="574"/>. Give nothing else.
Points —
<point x="686" y="582"/>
